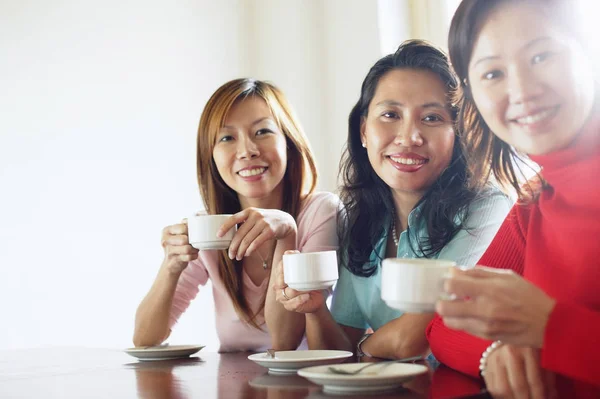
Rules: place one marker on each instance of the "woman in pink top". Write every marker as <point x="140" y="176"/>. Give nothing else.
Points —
<point x="254" y="162"/>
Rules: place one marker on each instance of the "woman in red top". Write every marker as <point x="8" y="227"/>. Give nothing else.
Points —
<point x="532" y="329"/>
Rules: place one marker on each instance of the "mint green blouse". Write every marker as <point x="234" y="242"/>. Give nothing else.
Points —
<point x="357" y="300"/>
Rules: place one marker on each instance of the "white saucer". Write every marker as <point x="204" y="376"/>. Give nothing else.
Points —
<point x="288" y="362"/>
<point x="163" y="352"/>
<point x="312" y="286"/>
<point x="388" y="378"/>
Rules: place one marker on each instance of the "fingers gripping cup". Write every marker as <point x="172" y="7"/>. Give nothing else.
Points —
<point x="311" y="270"/>
<point x="202" y="232"/>
<point x="414" y="285"/>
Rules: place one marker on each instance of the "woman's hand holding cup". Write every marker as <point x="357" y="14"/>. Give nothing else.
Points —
<point x="178" y="251"/>
<point x="496" y="304"/>
<point x="256" y="226"/>
<point x="296" y="301"/>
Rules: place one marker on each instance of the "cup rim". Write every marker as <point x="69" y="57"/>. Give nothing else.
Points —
<point x="420" y="262"/>
<point x="312" y="253"/>
<point x="210" y="215"/>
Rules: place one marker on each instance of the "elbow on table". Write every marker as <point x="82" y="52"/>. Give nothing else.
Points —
<point x="410" y="348"/>
<point x="141" y="341"/>
<point x="142" y="338"/>
<point x="280" y="343"/>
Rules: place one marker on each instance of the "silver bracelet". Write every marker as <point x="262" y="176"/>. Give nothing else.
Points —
<point x="485" y="355"/>
<point x="359" y="352"/>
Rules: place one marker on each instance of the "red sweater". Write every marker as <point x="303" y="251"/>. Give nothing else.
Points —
<point x="554" y="243"/>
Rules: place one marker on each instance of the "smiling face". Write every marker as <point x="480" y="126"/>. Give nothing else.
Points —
<point x="250" y="151"/>
<point x="408" y="131"/>
<point x="531" y="81"/>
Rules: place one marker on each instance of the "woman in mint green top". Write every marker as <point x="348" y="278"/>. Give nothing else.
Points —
<point x="357" y="301"/>
<point x="406" y="193"/>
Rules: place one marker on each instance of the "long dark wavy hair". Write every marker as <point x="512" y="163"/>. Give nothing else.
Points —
<point x="368" y="199"/>
<point x="487" y="154"/>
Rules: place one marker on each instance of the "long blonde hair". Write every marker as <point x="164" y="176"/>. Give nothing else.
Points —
<point x="299" y="180"/>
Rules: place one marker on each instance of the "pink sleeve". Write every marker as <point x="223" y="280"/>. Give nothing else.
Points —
<point x="188" y="287"/>
<point x="317" y="224"/>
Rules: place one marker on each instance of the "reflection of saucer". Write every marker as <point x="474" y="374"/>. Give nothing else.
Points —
<point x="393" y="394"/>
<point x="386" y="378"/>
<point x="288" y="362"/>
<point x="166" y="364"/>
<point x="280" y="381"/>
<point x="163" y="352"/>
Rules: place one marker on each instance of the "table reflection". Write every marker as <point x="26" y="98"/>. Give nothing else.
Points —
<point x="157" y="380"/>
<point x="447" y="383"/>
<point x="101" y="373"/>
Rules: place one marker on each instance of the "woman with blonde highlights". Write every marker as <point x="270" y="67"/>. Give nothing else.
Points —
<point x="255" y="163"/>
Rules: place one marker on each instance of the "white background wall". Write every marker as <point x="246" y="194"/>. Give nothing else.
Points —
<point x="99" y="104"/>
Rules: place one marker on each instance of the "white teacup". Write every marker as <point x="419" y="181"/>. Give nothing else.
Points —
<point x="311" y="270"/>
<point x="202" y="232"/>
<point x="414" y="285"/>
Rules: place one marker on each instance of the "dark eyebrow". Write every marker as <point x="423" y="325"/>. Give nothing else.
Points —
<point x="526" y="46"/>
<point x="434" y="105"/>
<point x="256" y="122"/>
<point x="488" y="58"/>
<point x="390" y="102"/>
<point x="399" y="104"/>
<point x="536" y="41"/>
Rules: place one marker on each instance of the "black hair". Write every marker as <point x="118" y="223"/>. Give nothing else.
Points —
<point x="486" y="153"/>
<point x="368" y="199"/>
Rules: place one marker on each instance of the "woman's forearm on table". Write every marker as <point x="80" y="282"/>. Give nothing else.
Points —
<point x="286" y="328"/>
<point x="323" y="332"/>
<point x="152" y="315"/>
<point x="400" y="338"/>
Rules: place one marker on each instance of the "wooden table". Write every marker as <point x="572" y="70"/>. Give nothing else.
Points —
<point x="105" y="373"/>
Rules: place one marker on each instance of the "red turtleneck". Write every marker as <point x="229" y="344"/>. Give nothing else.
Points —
<point x="554" y="243"/>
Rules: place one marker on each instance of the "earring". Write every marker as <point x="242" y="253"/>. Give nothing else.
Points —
<point x="364" y="144"/>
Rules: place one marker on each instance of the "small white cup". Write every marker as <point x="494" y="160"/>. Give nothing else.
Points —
<point x="310" y="270"/>
<point x="202" y="232"/>
<point x="414" y="285"/>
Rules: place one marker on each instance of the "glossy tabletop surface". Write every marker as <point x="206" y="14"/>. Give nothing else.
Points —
<point x="106" y="373"/>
